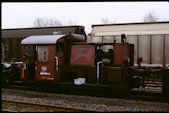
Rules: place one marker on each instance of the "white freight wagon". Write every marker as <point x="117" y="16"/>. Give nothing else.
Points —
<point x="151" y="40"/>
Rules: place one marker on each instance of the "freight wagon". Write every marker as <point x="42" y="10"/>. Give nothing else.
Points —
<point x="151" y="40"/>
<point x="11" y="38"/>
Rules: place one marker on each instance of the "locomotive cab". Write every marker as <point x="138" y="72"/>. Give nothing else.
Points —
<point x="45" y="55"/>
<point x="42" y="57"/>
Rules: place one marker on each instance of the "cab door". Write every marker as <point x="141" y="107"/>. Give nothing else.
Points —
<point x="29" y="59"/>
<point x="46" y="63"/>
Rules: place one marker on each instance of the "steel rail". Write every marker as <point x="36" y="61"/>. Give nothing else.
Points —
<point x="56" y="108"/>
<point x="6" y="110"/>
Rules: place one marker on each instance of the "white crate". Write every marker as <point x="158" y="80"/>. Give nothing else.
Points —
<point x="80" y="81"/>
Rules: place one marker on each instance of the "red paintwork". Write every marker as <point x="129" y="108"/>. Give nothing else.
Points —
<point x="50" y="69"/>
<point x="82" y="55"/>
<point x="120" y="52"/>
<point x="23" y="72"/>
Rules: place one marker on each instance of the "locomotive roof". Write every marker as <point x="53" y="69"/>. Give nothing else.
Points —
<point x="42" y="39"/>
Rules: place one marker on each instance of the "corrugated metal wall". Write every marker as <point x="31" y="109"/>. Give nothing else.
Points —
<point x="167" y="48"/>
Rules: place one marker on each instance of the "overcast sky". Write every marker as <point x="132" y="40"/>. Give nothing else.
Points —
<point x="21" y="15"/>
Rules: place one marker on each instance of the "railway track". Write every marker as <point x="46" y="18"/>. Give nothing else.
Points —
<point x="133" y="95"/>
<point x="24" y="106"/>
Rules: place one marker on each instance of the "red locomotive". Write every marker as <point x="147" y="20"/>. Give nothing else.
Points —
<point x="69" y="60"/>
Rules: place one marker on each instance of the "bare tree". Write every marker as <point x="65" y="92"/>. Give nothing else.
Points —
<point x="45" y="22"/>
<point x="151" y="17"/>
<point x="70" y="22"/>
<point x="107" y="21"/>
<point x="165" y="19"/>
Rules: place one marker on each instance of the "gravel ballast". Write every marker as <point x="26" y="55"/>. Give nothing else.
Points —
<point x="93" y="103"/>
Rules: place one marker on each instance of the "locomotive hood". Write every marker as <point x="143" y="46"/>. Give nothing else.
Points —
<point x="42" y="39"/>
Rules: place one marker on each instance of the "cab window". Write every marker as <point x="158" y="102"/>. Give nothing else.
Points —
<point x="59" y="49"/>
<point x="42" y="53"/>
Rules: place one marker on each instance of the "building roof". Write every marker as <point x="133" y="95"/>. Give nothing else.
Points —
<point x="42" y="39"/>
